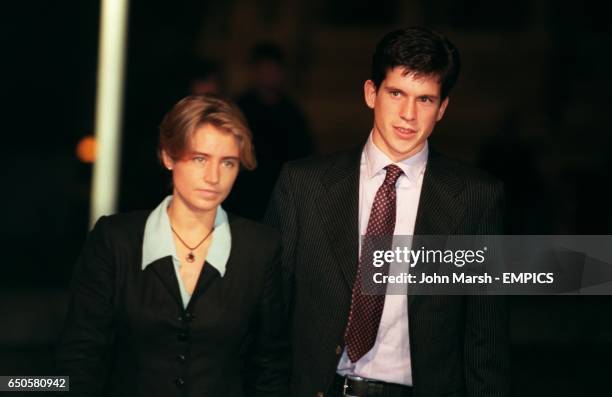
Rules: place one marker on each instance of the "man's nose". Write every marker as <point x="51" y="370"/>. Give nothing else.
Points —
<point x="408" y="110"/>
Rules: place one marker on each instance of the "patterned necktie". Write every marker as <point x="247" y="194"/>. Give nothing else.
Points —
<point x="366" y="310"/>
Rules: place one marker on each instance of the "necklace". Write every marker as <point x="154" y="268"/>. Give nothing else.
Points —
<point x="190" y="256"/>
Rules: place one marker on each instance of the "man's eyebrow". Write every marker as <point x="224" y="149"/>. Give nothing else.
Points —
<point x="391" y="88"/>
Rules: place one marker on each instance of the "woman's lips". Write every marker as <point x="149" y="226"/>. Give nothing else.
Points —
<point x="206" y="193"/>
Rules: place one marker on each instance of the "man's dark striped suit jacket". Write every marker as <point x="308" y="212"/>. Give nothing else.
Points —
<point x="459" y="344"/>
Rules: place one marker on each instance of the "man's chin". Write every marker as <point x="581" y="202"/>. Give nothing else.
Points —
<point x="402" y="152"/>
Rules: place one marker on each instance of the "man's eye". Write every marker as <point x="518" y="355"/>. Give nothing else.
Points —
<point x="426" y="99"/>
<point x="395" y="94"/>
<point x="199" y="159"/>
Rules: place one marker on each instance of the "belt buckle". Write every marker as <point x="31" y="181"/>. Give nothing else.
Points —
<point x="345" y="385"/>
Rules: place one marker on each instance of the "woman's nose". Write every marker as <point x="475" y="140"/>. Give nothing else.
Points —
<point x="211" y="173"/>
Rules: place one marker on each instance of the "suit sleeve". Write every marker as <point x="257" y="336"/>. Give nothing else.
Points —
<point x="282" y="215"/>
<point x="84" y="348"/>
<point x="268" y="360"/>
<point x="486" y="349"/>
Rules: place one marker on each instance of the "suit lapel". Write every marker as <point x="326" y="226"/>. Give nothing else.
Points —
<point x="439" y="210"/>
<point x="209" y="273"/>
<point x="164" y="268"/>
<point x="438" y="213"/>
<point x="339" y="211"/>
<point x="207" y="277"/>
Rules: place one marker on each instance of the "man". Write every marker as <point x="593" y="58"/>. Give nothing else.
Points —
<point x="397" y="345"/>
<point x="206" y="78"/>
<point x="280" y="130"/>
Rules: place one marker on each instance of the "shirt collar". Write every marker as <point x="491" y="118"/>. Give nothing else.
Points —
<point x="158" y="242"/>
<point x="376" y="160"/>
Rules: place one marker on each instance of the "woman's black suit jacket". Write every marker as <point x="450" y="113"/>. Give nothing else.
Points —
<point x="127" y="332"/>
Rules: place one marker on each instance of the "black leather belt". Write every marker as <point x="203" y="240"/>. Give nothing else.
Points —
<point x="358" y="387"/>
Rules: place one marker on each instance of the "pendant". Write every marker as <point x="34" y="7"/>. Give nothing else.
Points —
<point x="190" y="257"/>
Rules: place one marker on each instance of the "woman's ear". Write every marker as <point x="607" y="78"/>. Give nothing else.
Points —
<point x="168" y="162"/>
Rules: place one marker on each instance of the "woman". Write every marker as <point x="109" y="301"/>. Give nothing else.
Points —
<point x="184" y="300"/>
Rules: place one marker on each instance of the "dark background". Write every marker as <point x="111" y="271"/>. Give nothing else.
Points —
<point x="531" y="106"/>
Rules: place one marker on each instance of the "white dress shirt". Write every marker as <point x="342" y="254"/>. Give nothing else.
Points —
<point x="389" y="359"/>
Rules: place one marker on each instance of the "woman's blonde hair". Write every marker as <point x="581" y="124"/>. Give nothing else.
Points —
<point x="192" y="112"/>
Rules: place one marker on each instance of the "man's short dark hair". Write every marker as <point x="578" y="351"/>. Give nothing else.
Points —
<point x="421" y="51"/>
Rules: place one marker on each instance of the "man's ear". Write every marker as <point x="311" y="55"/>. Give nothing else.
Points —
<point x="167" y="160"/>
<point x="442" y="109"/>
<point x="369" y="93"/>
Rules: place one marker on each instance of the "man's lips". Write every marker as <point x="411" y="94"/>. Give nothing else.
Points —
<point x="403" y="131"/>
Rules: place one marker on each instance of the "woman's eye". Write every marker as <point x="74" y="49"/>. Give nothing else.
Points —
<point x="229" y="164"/>
<point x="199" y="159"/>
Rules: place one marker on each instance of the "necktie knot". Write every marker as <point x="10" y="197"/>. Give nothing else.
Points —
<point x="393" y="172"/>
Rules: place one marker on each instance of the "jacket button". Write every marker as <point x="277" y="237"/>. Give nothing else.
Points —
<point x="338" y="350"/>
<point x="179" y="382"/>
<point x="186" y="317"/>
<point x="182" y="336"/>
<point x="181" y="358"/>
